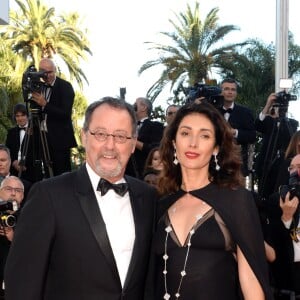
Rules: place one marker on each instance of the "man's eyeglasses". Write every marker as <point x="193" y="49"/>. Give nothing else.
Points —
<point x="11" y="189"/>
<point x="120" y="137"/>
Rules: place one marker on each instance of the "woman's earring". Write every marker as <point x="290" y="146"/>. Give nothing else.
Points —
<point x="175" y="160"/>
<point x="217" y="167"/>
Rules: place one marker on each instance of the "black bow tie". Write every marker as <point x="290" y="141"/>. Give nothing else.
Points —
<point x="119" y="188"/>
<point x="224" y="111"/>
<point x="140" y="123"/>
<point x="21" y="128"/>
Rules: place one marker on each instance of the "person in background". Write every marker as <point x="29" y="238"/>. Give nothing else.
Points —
<point x="240" y="118"/>
<point x="56" y="103"/>
<point x="149" y="136"/>
<point x="208" y="223"/>
<point x="170" y="113"/>
<point x="292" y="150"/>
<point x="153" y="160"/>
<point x="276" y="131"/>
<point x="283" y="211"/>
<point x="5" y="166"/>
<point x="11" y="189"/>
<point x="87" y="234"/>
<point x="151" y="176"/>
<point x="19" y="142"/>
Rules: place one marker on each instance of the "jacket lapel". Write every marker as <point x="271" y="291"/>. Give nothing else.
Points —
<point x="89" y="205"/>
<point x="138" y="214"/>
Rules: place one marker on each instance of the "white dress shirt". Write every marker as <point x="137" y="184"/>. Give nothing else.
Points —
<point x="117" y="215"/>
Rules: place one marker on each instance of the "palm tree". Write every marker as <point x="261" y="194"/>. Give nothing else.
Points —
<point x="35" y="32"/>
<point x="193" y="51"/>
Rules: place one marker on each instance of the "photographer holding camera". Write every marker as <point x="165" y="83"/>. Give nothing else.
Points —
<point x="276" y="130"/>
<point x="11" y="190"/>
<point x="283" y="211"/>
<point x="56" y="102"/>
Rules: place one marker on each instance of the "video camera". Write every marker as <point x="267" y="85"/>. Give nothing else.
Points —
<point x="293" y="187"/>
<point x="7" y="209"/>
<point x="283" y="98"/>
<point x="32" y="81"/>
<point x="211" y="94"/>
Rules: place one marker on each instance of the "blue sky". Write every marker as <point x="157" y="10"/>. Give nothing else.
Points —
<point x="119" y="28"/>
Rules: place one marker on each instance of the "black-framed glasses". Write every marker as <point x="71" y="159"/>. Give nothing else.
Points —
<point x="10" y="189"/>
<point x="119" y="137"/>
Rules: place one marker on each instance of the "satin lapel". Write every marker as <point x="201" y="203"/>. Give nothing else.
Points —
<point x="89" y="205"/>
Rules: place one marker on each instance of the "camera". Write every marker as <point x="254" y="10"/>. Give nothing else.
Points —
<point x="7" y="209"/>
<point x="32" y="81"/>
<point x="212" y="94"/>
<point x="283" y="98"/>
<point x="293" y="187"/>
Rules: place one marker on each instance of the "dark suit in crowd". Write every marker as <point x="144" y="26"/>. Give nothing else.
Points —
<point x="241" y="118"/>
<point x="32" y="172"/>
<point x="276" y="135"/>
<point x="150" y="133"/>
<point x="60" y="134"/>
<point x="285" y="272"/>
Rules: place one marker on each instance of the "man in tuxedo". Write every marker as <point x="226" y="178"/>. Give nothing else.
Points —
<point x="276" y="130"/>
<point x="149" y="136"/>
<point x="11" y="189"/>
<point x="240" y="118"/>
<point x="87" y="234"/>
<point x="56" y="102"/>
<point x="19" y="141"/>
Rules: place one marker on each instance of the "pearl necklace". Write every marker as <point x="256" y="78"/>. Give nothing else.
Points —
<point x="168" y="229"/>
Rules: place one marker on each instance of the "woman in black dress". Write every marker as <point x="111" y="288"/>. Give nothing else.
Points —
<point x="208" y="243"/>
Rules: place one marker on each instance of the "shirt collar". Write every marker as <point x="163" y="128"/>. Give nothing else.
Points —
<point x="94" y="177"/>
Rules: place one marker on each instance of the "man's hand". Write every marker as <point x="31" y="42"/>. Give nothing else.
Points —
<point x="8" y="232"/>
<point x="39" y="99"/>
<point x="270" y="101"/>
<point x="17" y="166"/>
<point x="288" y="207"/>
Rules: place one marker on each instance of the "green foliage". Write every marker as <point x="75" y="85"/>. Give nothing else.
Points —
<point x="192" y="52"/>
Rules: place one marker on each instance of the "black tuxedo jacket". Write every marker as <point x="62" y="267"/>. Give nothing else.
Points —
<point x="241" y="118"/>
<point x="282" y="242"/>
<point x="61" y="250"/>
<point x="59" y="111"/>
<point x="32" y="172"/>
<point x="150" y="134"/>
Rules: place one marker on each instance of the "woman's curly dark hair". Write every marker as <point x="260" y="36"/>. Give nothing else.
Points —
<point x="229" y="156"/>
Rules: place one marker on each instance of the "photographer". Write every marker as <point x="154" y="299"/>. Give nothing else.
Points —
<point x="276" y="131"/>
<point x="56" y="103"/>
<point x="11" y="189"/>
<point x="283" y="211"/>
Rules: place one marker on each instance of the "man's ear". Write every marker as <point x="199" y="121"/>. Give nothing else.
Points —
<point x="83" y="137"/>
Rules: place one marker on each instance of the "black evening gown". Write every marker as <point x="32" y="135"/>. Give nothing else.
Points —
<point x="211" y="268"/>
<point x="209" y="262"/>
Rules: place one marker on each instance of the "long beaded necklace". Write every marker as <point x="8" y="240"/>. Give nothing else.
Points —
<point x="168" y="229"/>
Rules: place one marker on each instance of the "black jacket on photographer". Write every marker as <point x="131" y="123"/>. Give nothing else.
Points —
<point x="57" y="117"/>
<point x="282" y="242"/>
<point x="276" y="133"/>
